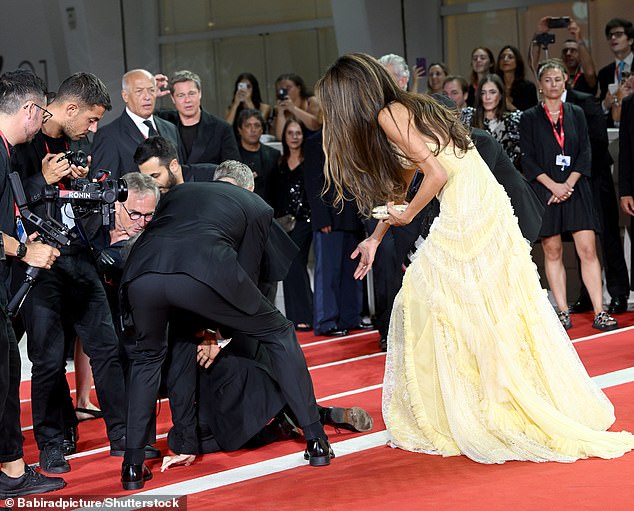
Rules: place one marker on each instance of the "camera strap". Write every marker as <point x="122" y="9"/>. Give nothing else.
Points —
<point x="19" y="226"/>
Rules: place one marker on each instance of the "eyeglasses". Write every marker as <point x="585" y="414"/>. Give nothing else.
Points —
<point x="46" y="115"/>
<point x="135" y="215"/>
<point x="616" y="34"/>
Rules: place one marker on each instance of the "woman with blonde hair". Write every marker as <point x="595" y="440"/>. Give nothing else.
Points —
<point x="478" y="362"/>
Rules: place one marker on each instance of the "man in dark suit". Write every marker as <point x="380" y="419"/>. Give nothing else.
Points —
<point x="620" y="35"/>
<point x="338" y="296"/>
<point x="204" y="138"/>
<point x="606" y="205"/>
<point x="626" y="164"/>
<point x="115" y="143"/>
<point x="223" y="230"/>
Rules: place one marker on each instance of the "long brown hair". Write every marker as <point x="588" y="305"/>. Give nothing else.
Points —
<point x="360" y="160"/>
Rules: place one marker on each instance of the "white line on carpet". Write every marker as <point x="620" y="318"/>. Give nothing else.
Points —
<point x="338" y="339"/>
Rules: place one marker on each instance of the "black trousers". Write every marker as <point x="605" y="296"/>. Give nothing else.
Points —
<point x="298" y="296"/>
<point x="71" y="291"/>
<point x="154" y="297"/>
<point x="10" y="370"/>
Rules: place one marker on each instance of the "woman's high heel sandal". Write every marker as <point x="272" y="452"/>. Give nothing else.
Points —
<point x="604" y="322"/>
<point x="564" y="317"/>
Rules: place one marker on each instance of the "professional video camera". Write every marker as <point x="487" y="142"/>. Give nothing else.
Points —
<point x="50" y="232"/>
<point x="89" y="196"/>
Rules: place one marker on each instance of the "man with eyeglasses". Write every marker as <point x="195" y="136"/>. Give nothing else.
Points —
<point x="115" y="143"/>
<point x="21" y="95"/>
<point x="72" y="291"/>
<point x="204" y="138"/>
<point x="620" y="35"/>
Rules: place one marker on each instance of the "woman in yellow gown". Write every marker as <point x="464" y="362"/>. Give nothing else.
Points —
<point x="478" y="362"/>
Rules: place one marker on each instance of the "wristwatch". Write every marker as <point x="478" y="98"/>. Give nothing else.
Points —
<point x="21" y="251"/>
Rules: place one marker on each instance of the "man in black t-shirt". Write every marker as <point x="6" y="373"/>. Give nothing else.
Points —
<point x="22" y="96"/>
<point x="261" y="159"/>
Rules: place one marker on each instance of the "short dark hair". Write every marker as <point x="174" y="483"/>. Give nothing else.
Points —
<point x="86" y="88"/>
<point x="620" y="22"/>
<point x="19" y="86"/>
<point x="158" y="147"/>
<point x="464" y="85"/>
<point x="184" y="76"/>
<point x="244" y="115"/>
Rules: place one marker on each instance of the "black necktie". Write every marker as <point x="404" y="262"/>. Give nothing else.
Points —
<point x="152" y="132"/>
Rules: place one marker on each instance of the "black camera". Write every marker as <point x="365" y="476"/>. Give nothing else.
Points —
<point x="545" y="38"/>
<point x="282" y="94"/>
<point x="86" y="196"/>
<point x="562" y="22"/>
<point x="106" y="191"/>
<point x="77" y="158"/>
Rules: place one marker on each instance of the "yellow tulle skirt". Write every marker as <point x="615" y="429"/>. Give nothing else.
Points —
<point x="478" y="362"/>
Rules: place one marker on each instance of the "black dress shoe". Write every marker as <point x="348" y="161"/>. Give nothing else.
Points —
<point x="582" y="304"/>
<point x="318" y="452"/>
<point x="133" y="477"/>
<point x="618" y="305"/>
<point x="335" y="332"/>
<point x="117" y="448"/>
<point x="363" y="326"/>
<point x="69" y="445"/>
<point x="383" y="344"/>
<point x="352" y="419"/>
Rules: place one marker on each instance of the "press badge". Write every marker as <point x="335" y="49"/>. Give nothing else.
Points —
<point x="562" y="161"/>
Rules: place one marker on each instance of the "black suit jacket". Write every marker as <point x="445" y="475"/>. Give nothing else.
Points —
<point x="626" y="148"/>
<point x="114" y="144"/>
<point x="214" y="142"/>
<point x="214" y="232"/>
<point x="527" y="207"/>
<point x="597" y="129"/>
<point x="605" y="78"/>
<point x="322" y="212"/>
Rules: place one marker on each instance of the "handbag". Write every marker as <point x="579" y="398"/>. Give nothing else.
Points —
<point x="287" y="222"/>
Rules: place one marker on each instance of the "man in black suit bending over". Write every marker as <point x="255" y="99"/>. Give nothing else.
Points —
<point x="223" y="229"/>
<point x="115" y="143"/>
<point x="204" y="138"/>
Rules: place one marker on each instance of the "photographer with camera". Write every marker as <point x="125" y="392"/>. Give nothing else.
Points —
<point x="582" y="75"/>
<point x="71" y="292"/>
<point x="21" y="116"/>
<point x="294" y="100"/>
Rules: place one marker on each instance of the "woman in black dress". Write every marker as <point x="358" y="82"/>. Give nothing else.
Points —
<point x="290" y="199"/>
<point x="556" y="159"/>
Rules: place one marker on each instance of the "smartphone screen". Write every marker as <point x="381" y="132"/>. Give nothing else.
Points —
<point x="421" y="63"/>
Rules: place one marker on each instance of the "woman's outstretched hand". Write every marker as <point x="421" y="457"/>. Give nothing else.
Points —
<point x="366" y="249"/>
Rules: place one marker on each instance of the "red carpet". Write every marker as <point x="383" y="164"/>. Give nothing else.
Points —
<point x="367" y="475"/>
